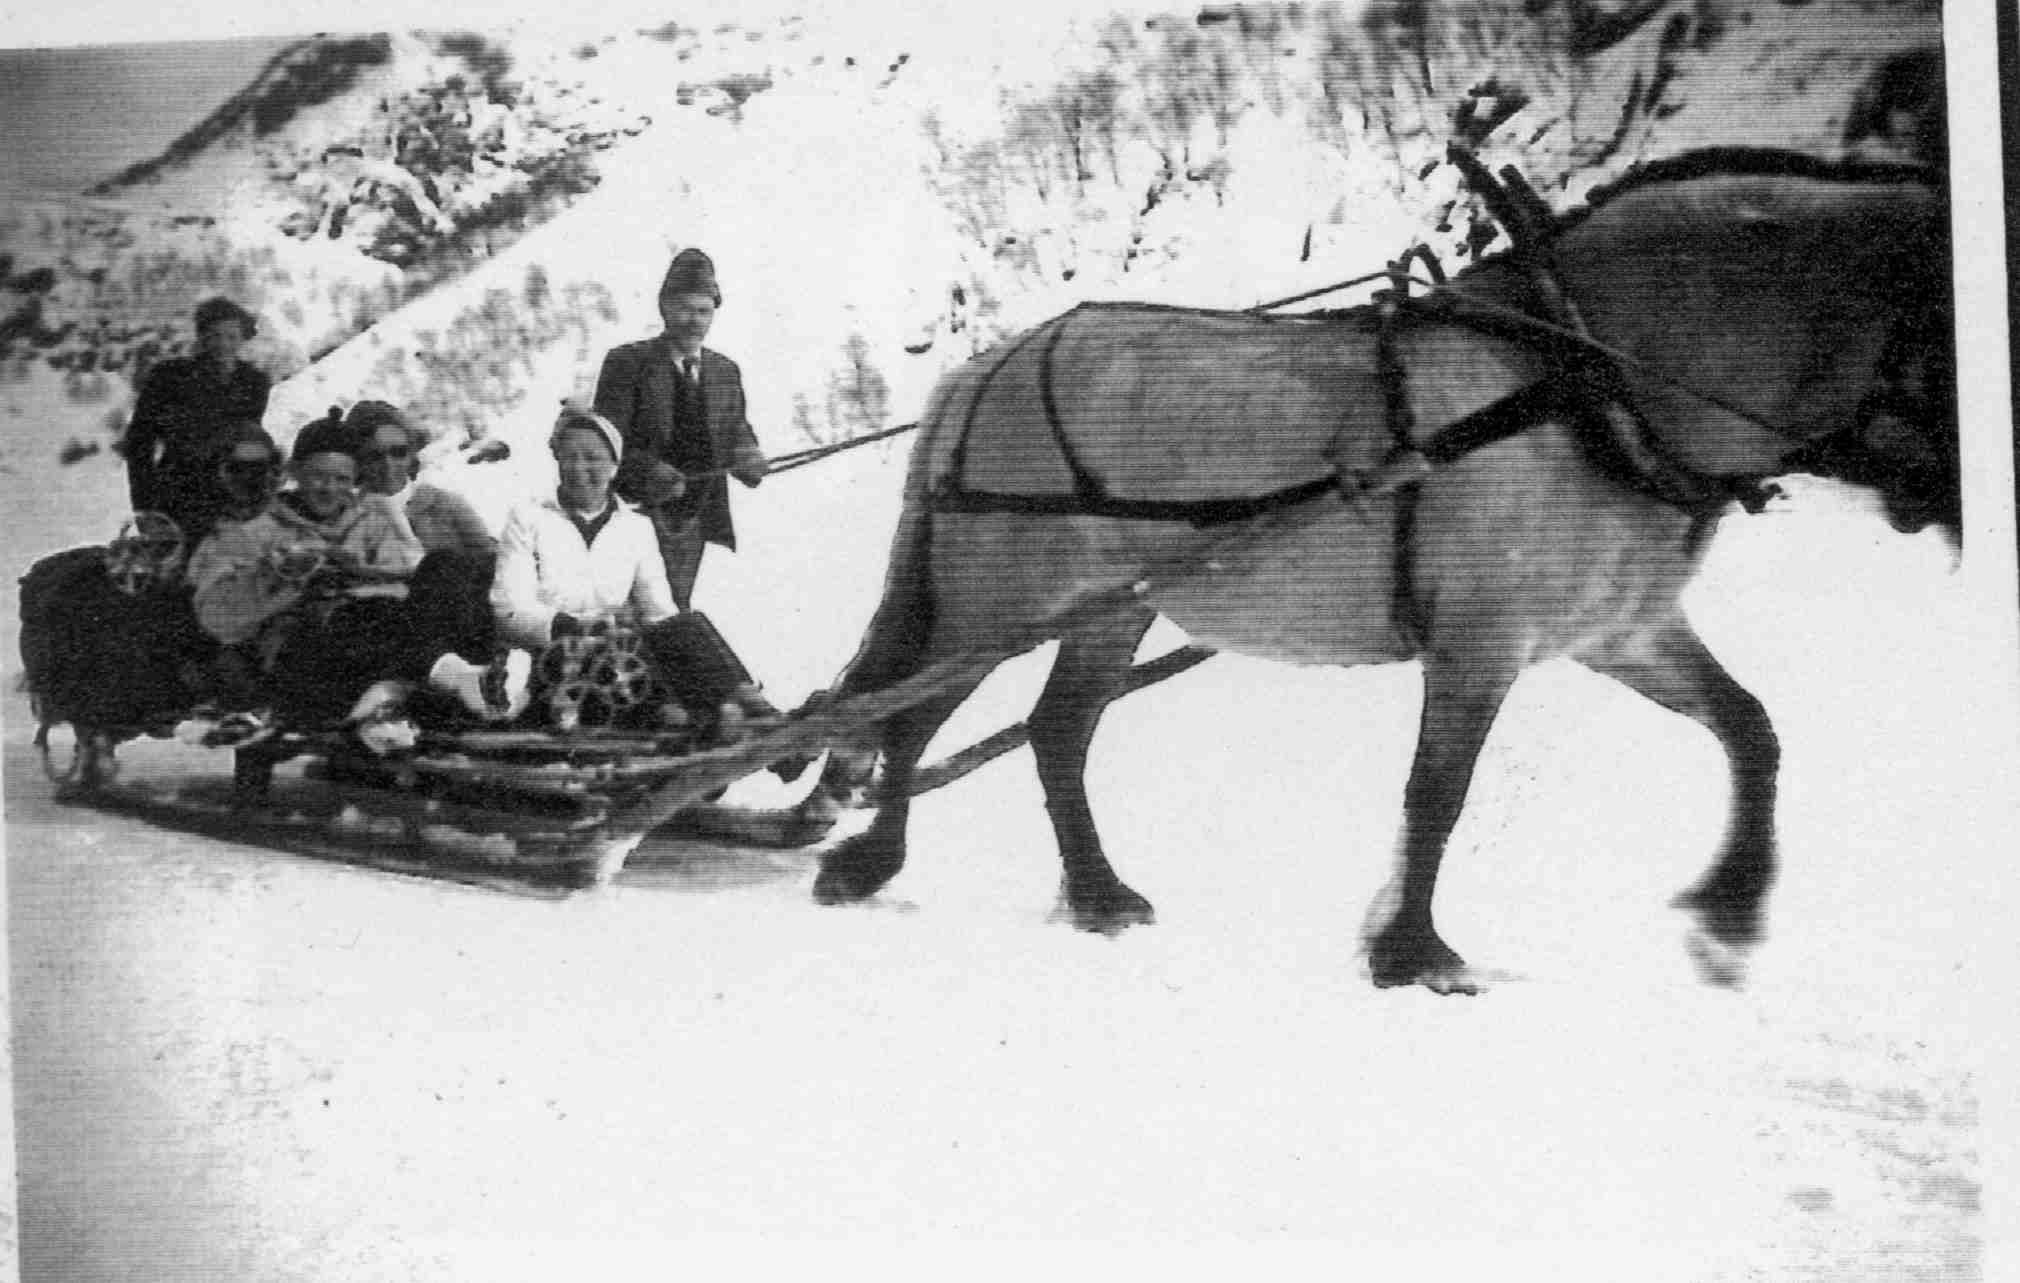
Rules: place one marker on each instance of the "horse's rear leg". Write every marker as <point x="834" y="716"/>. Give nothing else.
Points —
<point x="1461" y="699"/>
<point x="1088" y="672"/>
<point x="1674" y="669"/>
<point x="858" y="867"/>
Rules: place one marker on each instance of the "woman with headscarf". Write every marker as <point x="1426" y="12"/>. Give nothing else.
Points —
<point x="585" y="557"/>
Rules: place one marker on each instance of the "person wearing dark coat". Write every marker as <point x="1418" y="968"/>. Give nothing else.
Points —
<point x="679" y="407"/>
<point x="184" y="418"/>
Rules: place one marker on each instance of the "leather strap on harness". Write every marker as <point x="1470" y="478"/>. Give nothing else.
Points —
<point x="1555" y="396"/>
<point x="1621" y="437"/>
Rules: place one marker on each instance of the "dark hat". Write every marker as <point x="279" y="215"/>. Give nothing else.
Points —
<point x="691" y="273"/>
<point x="212" y="310"/>
<point x="367" y="417"/>
<point x="327" y="435"/>
<point x="247" y="432"/>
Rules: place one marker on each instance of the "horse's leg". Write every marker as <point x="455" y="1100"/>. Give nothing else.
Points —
<point x="858" y="867"/>
<point x="1673" y="668"/>
<point x="1462" y="695"/>
<point x="1088" y="672"/>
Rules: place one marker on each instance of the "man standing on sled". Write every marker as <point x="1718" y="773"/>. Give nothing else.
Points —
<point x="679" y="408"/>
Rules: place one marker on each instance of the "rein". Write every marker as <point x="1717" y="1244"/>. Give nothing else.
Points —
<point x="1618" y="438"/>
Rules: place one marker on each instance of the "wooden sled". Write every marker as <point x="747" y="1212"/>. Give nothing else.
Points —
<point x="537" y="812"/>
<point x="533" y="812"/>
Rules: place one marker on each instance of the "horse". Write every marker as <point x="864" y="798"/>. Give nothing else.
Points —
<point x="1454" y="479"/>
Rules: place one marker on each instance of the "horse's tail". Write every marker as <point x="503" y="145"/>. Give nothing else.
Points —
<point x="894" y="645"/>
<point x="895" y="642"/>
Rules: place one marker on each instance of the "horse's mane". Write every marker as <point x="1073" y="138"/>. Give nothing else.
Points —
<point x="1744" y="162"/>
<point x="1684" y="167"/>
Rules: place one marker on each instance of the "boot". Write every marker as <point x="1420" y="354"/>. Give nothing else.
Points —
<point x="494" y="692"/>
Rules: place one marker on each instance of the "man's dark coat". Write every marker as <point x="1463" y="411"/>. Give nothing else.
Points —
<point x="635" y="391"/>
<point x="183" y="417"/>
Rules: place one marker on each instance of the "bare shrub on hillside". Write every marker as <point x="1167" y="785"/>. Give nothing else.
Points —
<point x="457" y="169"/>
<point x="857" y="401"/>
<point x="114" y="293"/>
<point x="1106" y="160"/>
<point x="491" y="61"/>
<point x="466" y="377"/>
<point x="1406" y="80"/>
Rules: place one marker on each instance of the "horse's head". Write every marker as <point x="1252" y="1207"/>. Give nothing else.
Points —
<point x="1895" y="451"/>
<point x="1902" y="440"/>
<point x="1788" y="314"/>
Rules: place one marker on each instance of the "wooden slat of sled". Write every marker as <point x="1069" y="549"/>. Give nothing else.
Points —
<point x="571" y="783"/>
<point x="583" y="747"/>
<point x="209" y="813"/>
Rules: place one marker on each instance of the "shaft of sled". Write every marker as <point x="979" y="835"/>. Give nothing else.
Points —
<point x="973" y="758"/>
<point x="814" y="730"/>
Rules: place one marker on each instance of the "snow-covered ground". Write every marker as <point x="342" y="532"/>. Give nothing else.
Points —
<point x="237" y="1065"/>
<point x="234" y="1065"/>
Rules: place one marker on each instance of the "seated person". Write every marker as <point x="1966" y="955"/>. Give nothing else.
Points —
<point x="586" y="557"/>
<point x="315" y="586"/>
<point x="448" y="597"/>
<point x="248" y="474"/>
<point x="391" y="465"/>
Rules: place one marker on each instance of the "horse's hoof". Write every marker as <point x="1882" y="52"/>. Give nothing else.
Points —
<point x="857" y="869"/>
<point x="1420" y="958"/>
<point x="1718" y="963"/>
<point x="1110" y="911"/>
<point x="1731" y="921"/>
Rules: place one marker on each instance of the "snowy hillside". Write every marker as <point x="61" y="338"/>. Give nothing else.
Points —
<point x="1214" y="158"/>
<point x="234" y="1065"/>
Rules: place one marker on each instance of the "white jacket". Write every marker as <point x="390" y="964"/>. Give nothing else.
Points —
<point x="545" y="569"/>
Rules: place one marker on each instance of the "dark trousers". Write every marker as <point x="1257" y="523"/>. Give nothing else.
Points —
<point x="694" y="663"/>
<point x="328" y="660"/>
<point x="449" y="602"/>
<point x="326" y="664"/>
<point x="680" y="547"/>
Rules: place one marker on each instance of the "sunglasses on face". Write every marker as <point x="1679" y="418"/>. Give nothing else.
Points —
<point x="248" y="467"/>
<point x="389" y="452"/>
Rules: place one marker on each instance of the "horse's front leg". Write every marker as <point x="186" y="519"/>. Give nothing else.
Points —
<point x="1673" y="668"/>
<point x="1088" y="672"/>
<point x="858" y="867"/>
<point x="1462" y="695"/>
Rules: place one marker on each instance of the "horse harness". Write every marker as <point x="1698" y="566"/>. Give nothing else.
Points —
<point x="1576" y="391"/>
<point x="1585" y="388"/>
